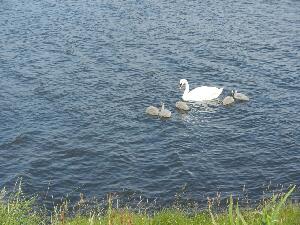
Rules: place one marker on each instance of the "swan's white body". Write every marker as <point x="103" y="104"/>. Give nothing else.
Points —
<point x="203" y="93"/>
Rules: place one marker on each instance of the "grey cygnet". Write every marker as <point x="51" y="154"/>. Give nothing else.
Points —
<point x="152" y="110"/>
<point x="164" y="112"/>
<point x="239" y="96"/>
<point x="228" y="100"/>
<point x="182" y="106"/>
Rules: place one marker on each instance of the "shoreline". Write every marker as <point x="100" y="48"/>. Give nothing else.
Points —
<point x="16" y="208"/>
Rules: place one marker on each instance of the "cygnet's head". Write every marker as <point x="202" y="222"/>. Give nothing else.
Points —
<point x="182" y="82"/>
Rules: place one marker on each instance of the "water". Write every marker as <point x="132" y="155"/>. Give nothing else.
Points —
<point x="76" y="77"/>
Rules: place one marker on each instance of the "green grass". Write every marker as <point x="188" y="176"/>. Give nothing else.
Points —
<point x="16" y="209"/>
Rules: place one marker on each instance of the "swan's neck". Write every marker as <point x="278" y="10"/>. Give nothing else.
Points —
<point x="187" y="89"/>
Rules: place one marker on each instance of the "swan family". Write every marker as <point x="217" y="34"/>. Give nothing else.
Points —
<point x="202" y="93"/>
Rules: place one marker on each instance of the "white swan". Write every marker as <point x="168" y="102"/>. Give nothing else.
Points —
<point x="202" y="93"/>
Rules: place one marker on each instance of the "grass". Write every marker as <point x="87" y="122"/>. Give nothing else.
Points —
<point x="16" y="209"/>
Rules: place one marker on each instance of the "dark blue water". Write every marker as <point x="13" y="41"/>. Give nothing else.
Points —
<point x="76" y="77"/>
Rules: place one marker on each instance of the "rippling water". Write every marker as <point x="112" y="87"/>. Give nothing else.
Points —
<point x="76" y="77"/>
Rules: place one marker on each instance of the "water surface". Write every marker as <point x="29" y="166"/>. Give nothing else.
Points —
<point x="76" y="77"/>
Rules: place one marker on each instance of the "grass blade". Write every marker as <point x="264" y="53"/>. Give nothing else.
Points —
<point x="230" y="211"/>
<point x="240" y="216"/>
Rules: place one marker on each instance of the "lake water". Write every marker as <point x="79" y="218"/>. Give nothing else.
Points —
<point x="76" y="77"/>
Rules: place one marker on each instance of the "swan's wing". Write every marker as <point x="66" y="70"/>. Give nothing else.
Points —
<point x="206" y="93"/>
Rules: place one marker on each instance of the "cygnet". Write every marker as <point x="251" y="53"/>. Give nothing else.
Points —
<point x="239" y="96"/>
<point x="164" y="112"/>
<point x="152" y="110"/>
<point x="228" y="100"/>
<point x="182" y="106"/>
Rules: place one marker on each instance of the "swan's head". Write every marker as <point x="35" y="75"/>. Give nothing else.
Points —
<point x="233" y="92"/>
<point x="182" y="82"/>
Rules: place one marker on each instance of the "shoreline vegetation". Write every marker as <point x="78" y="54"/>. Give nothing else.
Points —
<point x="16" y="208"/>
